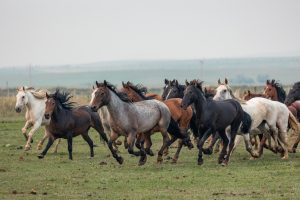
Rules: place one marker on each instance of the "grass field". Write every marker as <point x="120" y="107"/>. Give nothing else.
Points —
<point x="24" y="176"/>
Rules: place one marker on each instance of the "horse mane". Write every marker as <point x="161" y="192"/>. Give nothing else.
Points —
<point x="139" y="89"/>
<point x="38" y="93"/>
<point x="63" y="98"/>
<point x="122" y="95"/>
<point x="179" y="86"/>
<point x="281" y="94"/>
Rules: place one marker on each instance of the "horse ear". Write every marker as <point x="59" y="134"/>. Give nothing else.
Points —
<point x="205" y="90"/>
<point x="105" y="83"/>
<point x="249" y="92"/>
<point x="123" y="84"/>
<point x="219" y="82"/>
<point x="166" y="81"/>
<point x="97" y="84"/>
<point x="273" y="81"/>
<point x="47" y="95"/>
<point x="187" y="83"/>
<point x="226" y="81"/>
<point x="23" y="88"/>
<point x="93" y="87"/>
<point x="268" y="82"/>
<point x="176" y="83"/>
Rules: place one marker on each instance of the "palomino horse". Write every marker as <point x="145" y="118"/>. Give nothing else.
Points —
<point x="128" y="119"/>
<point x="213" y="116"/>
<point x="34" y="101"/>
<point x="182" y="117"/>
<point x="67" y="121"/>
<point x="275" y="114"/>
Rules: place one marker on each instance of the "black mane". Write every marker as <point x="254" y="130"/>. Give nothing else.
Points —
<point x="294" y="93"/>
<point x="281" y="94"/>
<point x="123" y="96"/>
<point x="63" y="98"/>
<point x="139" y="89"/>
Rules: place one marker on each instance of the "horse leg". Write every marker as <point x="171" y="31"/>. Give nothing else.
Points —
<point x="143" y="157"/>
<point x="87" y="138"/>
<point x="30" y="134"/>
<point x="138" y="140"/>
<point x="40" y="144"/>
<point x="112" y="139"/>
<point x="131" y="141"/>
<point x="70" y="148"/>
<point x="176" y="156"/>
<point x="200" y="144"/>
<point x="148" y="144"/>
<point x="56" y="146"/>
<point x="44" y="152"/>
<point x="283" y="143"/>
<point x="24" y="129"/>
<point x="248" y="144"/>
<point x="166" y="143"/>
<point x="225" y="145"/>
<point x="209" y="149"/>
<point x="231" y="145"/>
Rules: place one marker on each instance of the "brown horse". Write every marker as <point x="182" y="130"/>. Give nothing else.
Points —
<point x="68" y="122"/>
<point x="154" y="96"/>
<point x="274" y="91"/>
<point x="249" y="95"/>
<point x="181" y="116"/>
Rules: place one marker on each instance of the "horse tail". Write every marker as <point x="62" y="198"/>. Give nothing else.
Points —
<point x="246" y="123"/>
<point x="174" y="129"/>
<point x="294" y="123"/>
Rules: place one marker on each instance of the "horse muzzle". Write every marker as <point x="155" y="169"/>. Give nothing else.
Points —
<point x="18" y="110"/>
<point x="47" y="116"/>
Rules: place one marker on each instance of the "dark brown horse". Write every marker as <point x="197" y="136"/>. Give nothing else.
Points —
<point x="67" y="121"/>
<point x="213" y="116"/>
<point x="181" y="116"/>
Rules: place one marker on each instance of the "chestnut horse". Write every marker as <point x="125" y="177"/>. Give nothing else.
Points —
<point x="181" y="116"/>
<point x="274" y="91"/>
<point x="249" y="95"/>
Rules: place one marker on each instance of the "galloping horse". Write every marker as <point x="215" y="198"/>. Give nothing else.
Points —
<point x="182" y="117"/>
<point x="213" y="116"/>
<point x="34" y="101"/>
<point x="274" y="91"/>
<point x="129" y="119"/>
<point x="274" y="113"/>
<point x="67" y="121"/>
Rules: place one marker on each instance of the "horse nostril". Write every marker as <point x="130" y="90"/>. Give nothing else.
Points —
<point x="47" y="116"/>
<point x="18" y="110"/>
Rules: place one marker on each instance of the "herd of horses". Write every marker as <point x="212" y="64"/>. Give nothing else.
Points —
<point x="181" y="109"/>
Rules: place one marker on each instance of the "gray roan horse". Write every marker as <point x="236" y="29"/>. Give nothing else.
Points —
<point x="128" y="119"/>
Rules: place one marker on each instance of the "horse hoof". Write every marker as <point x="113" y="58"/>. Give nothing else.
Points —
<point x="40" y="156"/>
<point x="120" y="160"/>
<point x="159" y="160"/>
<point x="200" y="162"/>
<point x="149" y="152"/>
<point x="284" y="157"/>
<point x="27" y="147"/>
<point x="142" y="161"/>
<point x="207" y="151"/>
<point x="224" y="163"/>
<point x="39" y="147"/>
<point x="174" y="161"/>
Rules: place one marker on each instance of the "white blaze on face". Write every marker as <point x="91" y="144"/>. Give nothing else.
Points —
<point x="93" y="96"/>
<point x="169" y="93"/>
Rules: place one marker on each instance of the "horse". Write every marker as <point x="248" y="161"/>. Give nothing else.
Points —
<point x="213" y="116"/>
<point x="274" y="113"/>
<point x="293" y="95"/>
<point x="274" y="91"/>
<point x="34" y="101"/>
<point x="181" y="117"/>
<point x="129" y="118"/>
<point x="249" y="95"/>
<point x="67" y="121"/>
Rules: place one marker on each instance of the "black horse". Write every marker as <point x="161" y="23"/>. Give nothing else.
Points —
<point x="293" y="95"/>
<point x="67" y="121"/>
<point x="213" y="116"/>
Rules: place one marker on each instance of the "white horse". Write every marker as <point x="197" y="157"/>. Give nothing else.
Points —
<point x="34" y="102"/>
<point x="275" y="114"/>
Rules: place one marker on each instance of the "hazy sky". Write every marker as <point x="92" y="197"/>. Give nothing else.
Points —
<point x="41" y="32"/>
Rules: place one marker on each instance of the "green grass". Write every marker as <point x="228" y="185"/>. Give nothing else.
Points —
<point x="56" y="177"/>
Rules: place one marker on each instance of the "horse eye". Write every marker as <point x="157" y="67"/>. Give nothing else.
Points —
<point x="23" y="97"/>
<point x="224" y="91"/>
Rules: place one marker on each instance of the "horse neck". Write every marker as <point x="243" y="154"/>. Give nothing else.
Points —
<point x="34" y="103"/>
<point x="58" y="114"/>
<point x="116" y="106"/>
<point x="200" y="104"/>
